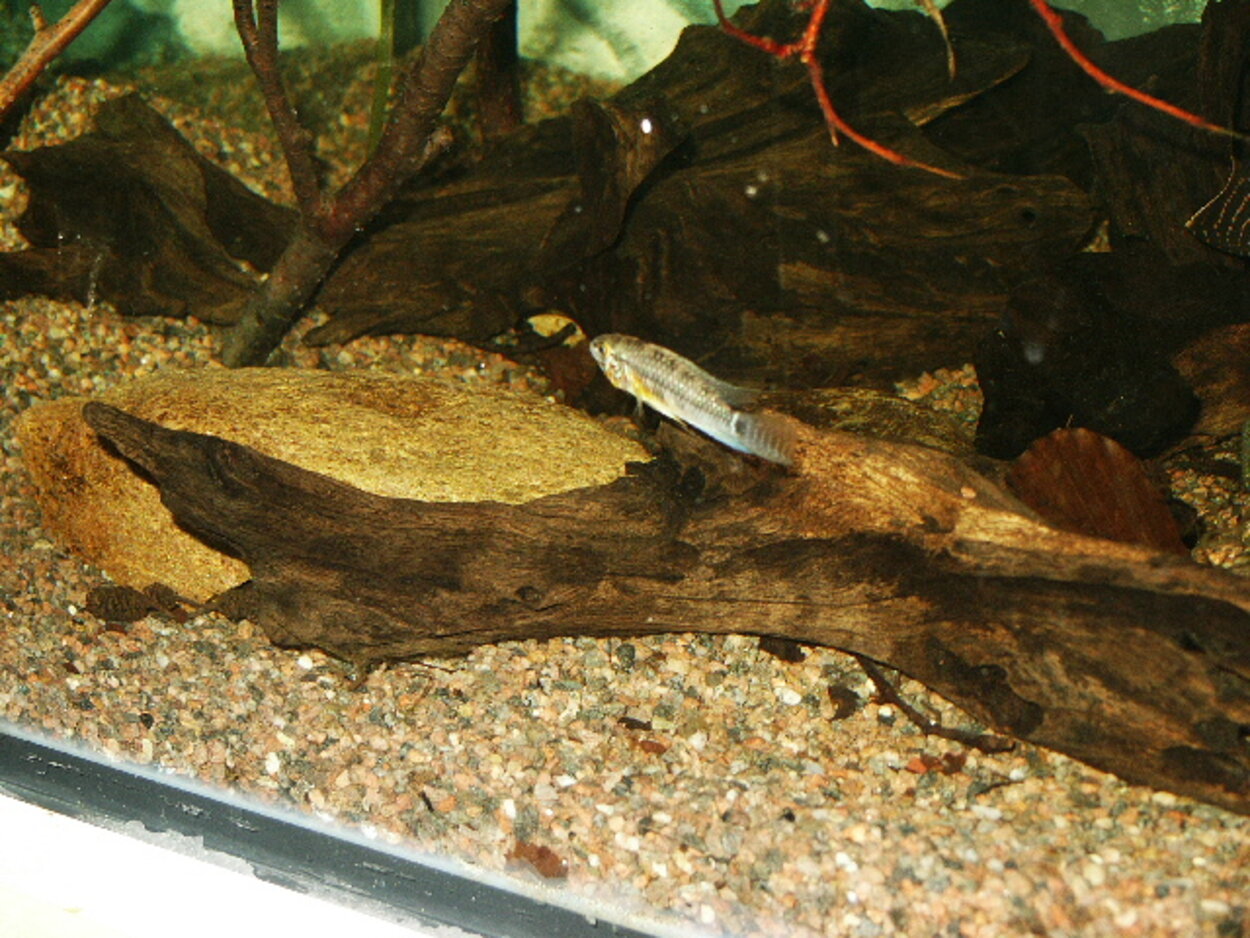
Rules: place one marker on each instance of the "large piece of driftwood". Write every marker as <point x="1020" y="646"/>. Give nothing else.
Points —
<point x="704" y="207"/>
<point x="1130" y="660"/>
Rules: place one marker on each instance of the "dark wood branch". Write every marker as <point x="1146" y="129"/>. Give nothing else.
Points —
<point x="47" y="44"/>
<point x="328" y="224"/>
<point x="1131" y="660"/>
<point x="498" y="67"/>
<point x="424" y="87"/>
<point x="258" y="29"/>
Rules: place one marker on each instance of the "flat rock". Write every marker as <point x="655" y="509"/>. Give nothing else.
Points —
<point x="402" y="437"/>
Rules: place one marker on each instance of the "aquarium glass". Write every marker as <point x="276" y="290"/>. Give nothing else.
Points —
<point x="590" y="466"/>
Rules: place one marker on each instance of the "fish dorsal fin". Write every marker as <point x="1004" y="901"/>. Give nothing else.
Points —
<point x="732" y="394"/>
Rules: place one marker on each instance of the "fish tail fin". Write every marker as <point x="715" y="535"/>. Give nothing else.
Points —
<point x="769" y="436"/>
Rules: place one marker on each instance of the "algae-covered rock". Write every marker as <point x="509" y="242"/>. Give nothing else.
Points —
<point x="402" y="437"/>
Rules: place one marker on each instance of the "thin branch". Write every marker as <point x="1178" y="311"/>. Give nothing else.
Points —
<point x="327" y="223"/>
<point x="47" y="44"/>
<point x="934" y="12"/>
<point x="259" y="31"/>
<point x="887" y="693"/>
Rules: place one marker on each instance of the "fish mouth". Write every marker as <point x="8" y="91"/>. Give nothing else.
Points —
<point x="596" y="349"/>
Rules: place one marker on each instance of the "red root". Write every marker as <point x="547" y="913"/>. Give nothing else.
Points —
<point x="805" y="50"/>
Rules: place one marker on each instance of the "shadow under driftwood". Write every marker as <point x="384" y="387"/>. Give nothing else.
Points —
<point x="1132" y="660"/>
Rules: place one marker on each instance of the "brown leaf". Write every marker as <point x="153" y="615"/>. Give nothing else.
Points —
<point x="545" y="861"/>
<point x="653" y="746"/>
<point x="948" y="763"/>
<point x="1087" y="483"/>
<point x="922" y="764"/>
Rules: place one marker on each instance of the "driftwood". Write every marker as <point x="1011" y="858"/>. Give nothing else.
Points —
<point x="1131" y="660"/>
<point x="729" y="228"/>
<point x="163" y="239"/>
<point x="704" y="207"/>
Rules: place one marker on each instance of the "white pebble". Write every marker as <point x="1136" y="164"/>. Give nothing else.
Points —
<point x="543" y="791"/>
<point x="788" y="696"/>
<point x="843" y="861"/>
<point x="1094" y="873"/>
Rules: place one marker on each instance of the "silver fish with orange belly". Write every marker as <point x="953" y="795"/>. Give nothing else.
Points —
<point x="682" y="391"/>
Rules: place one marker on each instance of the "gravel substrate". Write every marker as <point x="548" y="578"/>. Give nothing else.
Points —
<point x="693" y="776"/>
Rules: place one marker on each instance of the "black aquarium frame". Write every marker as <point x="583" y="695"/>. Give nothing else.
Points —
<point x="281" y="848"/>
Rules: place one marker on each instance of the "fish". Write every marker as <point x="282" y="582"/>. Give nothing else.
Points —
<point x="682" y="391"/>
<point x="1224" y="222"/>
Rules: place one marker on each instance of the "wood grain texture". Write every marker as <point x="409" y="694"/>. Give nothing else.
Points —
<point x="1131" y="660"/>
